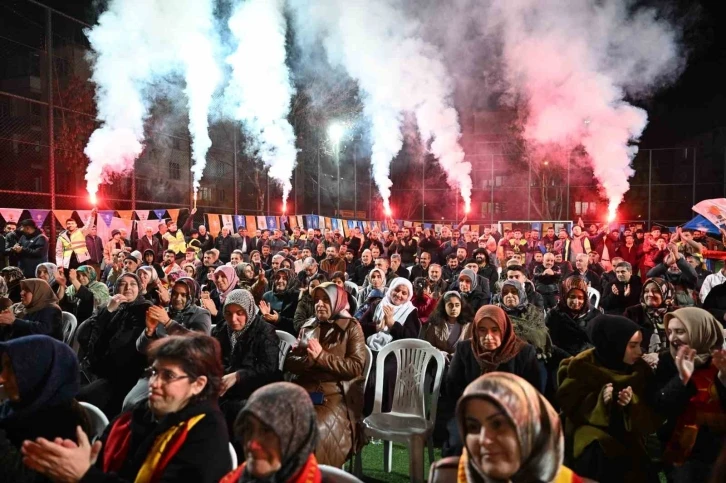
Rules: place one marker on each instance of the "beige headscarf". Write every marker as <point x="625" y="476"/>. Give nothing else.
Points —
<point x="538" y="426"/>
<point x="704" y="332"/>
<point x="43" y="297"/>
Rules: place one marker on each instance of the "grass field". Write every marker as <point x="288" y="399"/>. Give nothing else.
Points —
<point x="373" y="463"/>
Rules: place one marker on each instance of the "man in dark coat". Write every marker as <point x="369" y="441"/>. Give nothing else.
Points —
<point x="31" y="249"/>
<point x="623" y="292"/>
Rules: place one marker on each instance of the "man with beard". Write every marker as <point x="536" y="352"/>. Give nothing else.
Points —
<point x="437" y="283"/>
<point x="354" y="241"/>
<point x="623" y="292"/>
<point x="452" y="268"/>
<point x="450" y="246"/>
<point x="407" y="247"/>
<point x="168" y="263"/>
<point x="350" y="264"/>
<point x="547" y="280"/>
<point x="421" y="270"/>
<point x="332" y="263"/>
<point x="429" y="244"/>
<point x="362" y="270"/>
<point x="70" y="249"/>
<point x="279" y="304"/>
<point x="208" y="262"/>
<point x="225" y="244"/>
<point x="548" y="241"/>
<point x="235" y="258"/>
<point x="274" y="267"/>
<point x="593" y="263"/>
<point x="310" y="268"/>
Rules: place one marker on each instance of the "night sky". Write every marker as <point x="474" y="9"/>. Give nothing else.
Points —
<point x="696" y="103"/>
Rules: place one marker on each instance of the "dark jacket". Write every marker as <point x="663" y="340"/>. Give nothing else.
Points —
<point x="255" y="358"/>
<point x="418" y="271"/>
<point x="410" y="328"/>
<point x="226" y="245"/>
<point x="240" y="241"/>
<point x="49" y="422"/>
<point x="616" y="304"/>
<point x="671" y="397"/>
<point x="637" y="314"/>
<point x="570" y="335"/>
<point x="361" y="272"/>
<point x="684" y="282"/>
<point x="155" y="246"/>
<point x="464" y="369"/>
<point x="95" y="248"/>
<point x="192" y="318"/>
<point x="285" y="304"/>
<point x="548" y="284"/>
<point x="46" y="321"/>
<point x="111" y="343"/>
<point x="716" y="303"/>
<point x="34" y="252"/>
<point x="203" y="456"/>
<point x="533" y="297"/>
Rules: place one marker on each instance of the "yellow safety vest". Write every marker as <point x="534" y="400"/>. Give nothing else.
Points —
<point x="71" y="243"/>
<point x="176" y="243"/>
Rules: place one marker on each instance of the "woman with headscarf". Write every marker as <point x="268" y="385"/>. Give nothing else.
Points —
<point x="250" y="351"/>
<point x="178" y="434"/>
<point x="528" y="320"/>
<point x="656" y="300"/>
<point x="85" y="294"/>
<point x="449" y="324"/>
<point x="328" y="362"/>
<point x="40" y="378"/>
<point x="181" y="317"/>
<point x="150" y="284"/>
<point x="511" y="433"/>
<point x="278" y="305"/>
<point x="493" y="347"/>
<point x="279" y="431"/>
<point x="469" y="289"/>
<point x="305" y="305"/>
<point x="36" y="313"/>
<point x="48" y="272"/>
<point x="604" y="395"/>
<point x="569" y="321"/>
<point x="377" y="279"/>
<point x="393" y="318"/>
<point x="257" y="285"/>
<point x="691" y="394"/>
<point x="13" y="276"/>
<point x="109" y="359"/>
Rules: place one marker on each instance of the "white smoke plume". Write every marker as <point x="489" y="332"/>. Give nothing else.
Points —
<point x="137" y="47"/>
<point x="260" y="89"/>
<point x="575" y="65"/>
<point x="377" y="43"/>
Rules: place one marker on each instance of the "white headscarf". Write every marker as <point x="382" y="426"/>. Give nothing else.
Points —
<point x="400" y="312"/>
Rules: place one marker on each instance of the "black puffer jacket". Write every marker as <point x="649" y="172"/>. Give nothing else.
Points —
<point x="570" y="335"/>
<point x="111" y="343"/>
<point x="255" y="358"/>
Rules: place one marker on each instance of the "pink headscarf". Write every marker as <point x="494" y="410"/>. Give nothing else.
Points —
<point x="231" y="275"/>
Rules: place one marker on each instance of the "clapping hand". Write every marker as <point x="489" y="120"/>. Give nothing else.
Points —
<point x="388" y="316"/>
<point x="314" y="348"/>
<point x="719" y="360"/>
<point x="607" y="394"/>
<point x="625" y="396"/>
<point x="685" y="363"/>
<point x="267" y="313"/>
<point x="115" y="302"/>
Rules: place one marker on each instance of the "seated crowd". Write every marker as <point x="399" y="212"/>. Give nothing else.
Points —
<point x="179" y="333"/>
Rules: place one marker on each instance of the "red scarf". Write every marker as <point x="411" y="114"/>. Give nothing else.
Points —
<point x="704" y="409"/>
<point x="309" y="473"/>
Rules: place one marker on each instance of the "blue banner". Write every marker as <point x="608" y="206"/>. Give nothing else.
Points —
<point x="160" y="214"/>
<point x="272" y="223"/>
<point x="239" y="221"/>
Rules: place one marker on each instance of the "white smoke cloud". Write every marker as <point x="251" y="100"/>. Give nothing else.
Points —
<point x="260" y="89"/>
<point x="574" y="64"/>
<point x="138" y="44"/>
<point x="397" y="71"/>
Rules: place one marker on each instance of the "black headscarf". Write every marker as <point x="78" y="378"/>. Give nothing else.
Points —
<point x="610" y="335"/>
<point x="288" y="411"/>
<point x="46" y="372"/>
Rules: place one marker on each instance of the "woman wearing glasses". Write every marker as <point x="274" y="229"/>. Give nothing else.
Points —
<point x="180" y="435"/>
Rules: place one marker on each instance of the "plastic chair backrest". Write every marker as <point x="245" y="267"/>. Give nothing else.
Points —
<point x="593" y="293"/>
<point x="74" y="338"/>
<point x="367" y="368"/>
<point x="69" y="327"/>
<point x="331" y="473"/>
<point x="233" y="456"/>
<point x="412" y="359"/>
<point x="99" y="421"/>
<point x="286" y="341"/>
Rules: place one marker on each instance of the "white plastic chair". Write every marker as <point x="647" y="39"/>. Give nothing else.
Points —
<point x="233" y="456"/>
<point x="286" y="341"/>
<point x="69" y="327"/>
<point x="593" y="294"/>
<point x="99" y="421"/>
<point x="331" y="473"/>
<point x="409" y="421"/>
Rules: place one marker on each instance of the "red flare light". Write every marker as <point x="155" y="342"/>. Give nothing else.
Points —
<point x="93" y="199"/>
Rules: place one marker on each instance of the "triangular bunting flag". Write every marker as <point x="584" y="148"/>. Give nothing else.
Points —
<point x="174" y="214"/>
<point x="11" y="214"/>
<point x="106" y="216"/>
<point x="39" y="216"/>
<point x="125" y="214"/>
<point x="159" y="214"/>
<point x="83" y="215"/>
<point x="63" y="216"/>
<point x="213" y="224"/>
<point x="251" y="223"/>
<point x="143" y="214"/>
<point x="239" y="221"/>
<point x="300" y="221"/>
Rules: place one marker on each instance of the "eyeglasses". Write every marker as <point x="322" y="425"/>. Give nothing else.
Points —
<point x="165" y="375"/>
